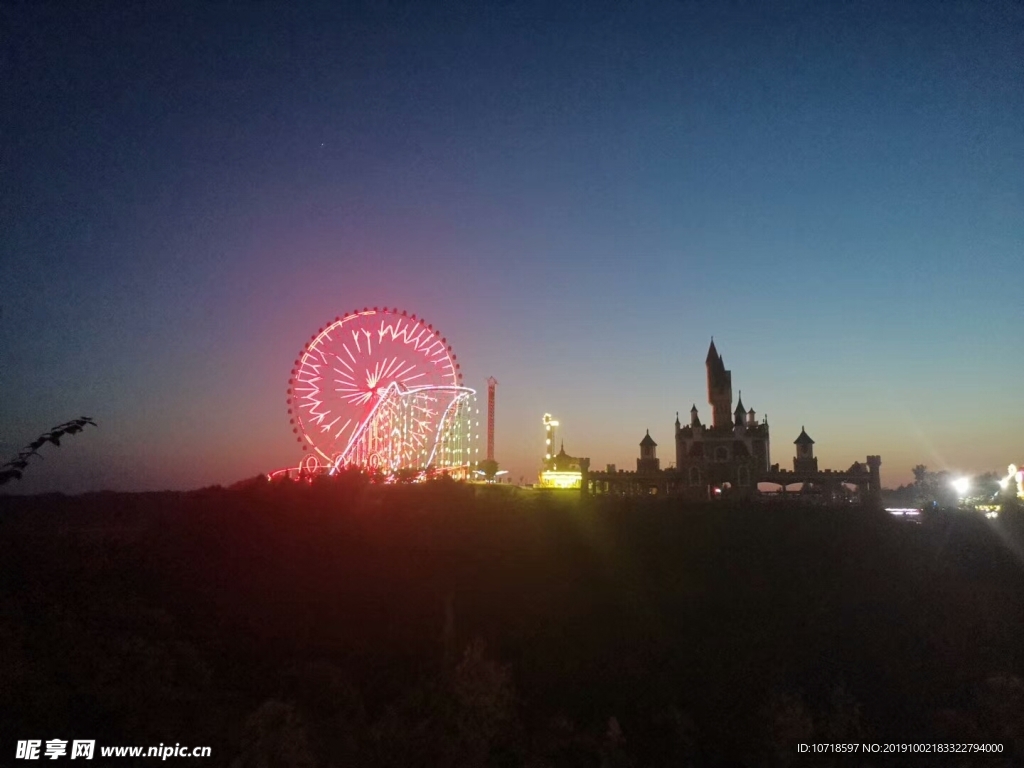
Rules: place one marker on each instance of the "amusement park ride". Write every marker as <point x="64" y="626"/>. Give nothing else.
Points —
<point x="381" y="390"/>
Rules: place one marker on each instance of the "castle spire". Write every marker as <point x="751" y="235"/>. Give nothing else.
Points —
<point x="713" y="355"/>
<point x="719" y="388"/>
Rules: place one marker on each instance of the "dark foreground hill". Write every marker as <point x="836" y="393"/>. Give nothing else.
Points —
<point x="446" y="625"/>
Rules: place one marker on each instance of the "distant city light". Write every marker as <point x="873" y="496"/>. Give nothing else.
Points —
<point x="962" y="485"/>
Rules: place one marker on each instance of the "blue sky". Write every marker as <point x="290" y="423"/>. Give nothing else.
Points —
<point x="579" y="197"/>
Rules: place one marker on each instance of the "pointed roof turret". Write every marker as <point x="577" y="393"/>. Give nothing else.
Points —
<point x="677" y="418"/>
<point x="803" y="439"/>
<point x="713" y="355"/>
<point x="740" y="410"/>
<point x="648" y="441"/>
<point x="718" y="377"/>
<point x="694" y="408"/>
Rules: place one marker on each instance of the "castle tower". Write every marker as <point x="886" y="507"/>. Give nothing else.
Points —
<point x="719" y="389"/>
<point x="740" y="413"/>
<point x="874" y="469"/>
<point x="648" y="461"/>
<point x="804" y="460"/>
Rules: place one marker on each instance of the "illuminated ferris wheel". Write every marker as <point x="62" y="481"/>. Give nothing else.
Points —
<point x="381" y="389"/>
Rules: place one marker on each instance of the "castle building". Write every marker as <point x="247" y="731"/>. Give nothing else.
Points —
<point x="726" y="459"/>
<point x="731" y="452"/>
<point x="804" y="460"/>
<point x="648" y="461"/>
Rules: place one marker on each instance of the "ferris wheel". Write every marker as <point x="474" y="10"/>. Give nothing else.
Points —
<point x="381" y="389"/>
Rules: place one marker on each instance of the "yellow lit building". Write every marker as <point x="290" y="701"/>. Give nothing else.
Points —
<point x="563" y="471"/>
<point x="560" y="470"/>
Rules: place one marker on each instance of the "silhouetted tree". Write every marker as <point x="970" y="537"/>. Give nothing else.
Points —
<point x="14" y="468"/>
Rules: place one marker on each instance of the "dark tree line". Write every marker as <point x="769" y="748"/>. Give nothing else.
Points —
<point x="341" y="623"/>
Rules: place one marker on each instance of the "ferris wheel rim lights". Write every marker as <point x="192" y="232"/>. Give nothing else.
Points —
<point x="396" y="381"/>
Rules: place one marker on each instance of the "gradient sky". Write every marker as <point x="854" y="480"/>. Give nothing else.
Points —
<point x="577" y="195"/>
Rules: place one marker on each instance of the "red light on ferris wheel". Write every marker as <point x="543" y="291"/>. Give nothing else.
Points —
<point x="392" y="372"/>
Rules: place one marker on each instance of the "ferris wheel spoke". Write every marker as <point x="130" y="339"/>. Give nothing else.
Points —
<point x="391" y="366"/>
<point x="418" y="340"/>
<point x="375" y="377"/>
<point x="401" y="373"/>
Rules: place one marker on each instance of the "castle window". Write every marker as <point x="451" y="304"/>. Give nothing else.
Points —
<point x="721" y="453"/>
